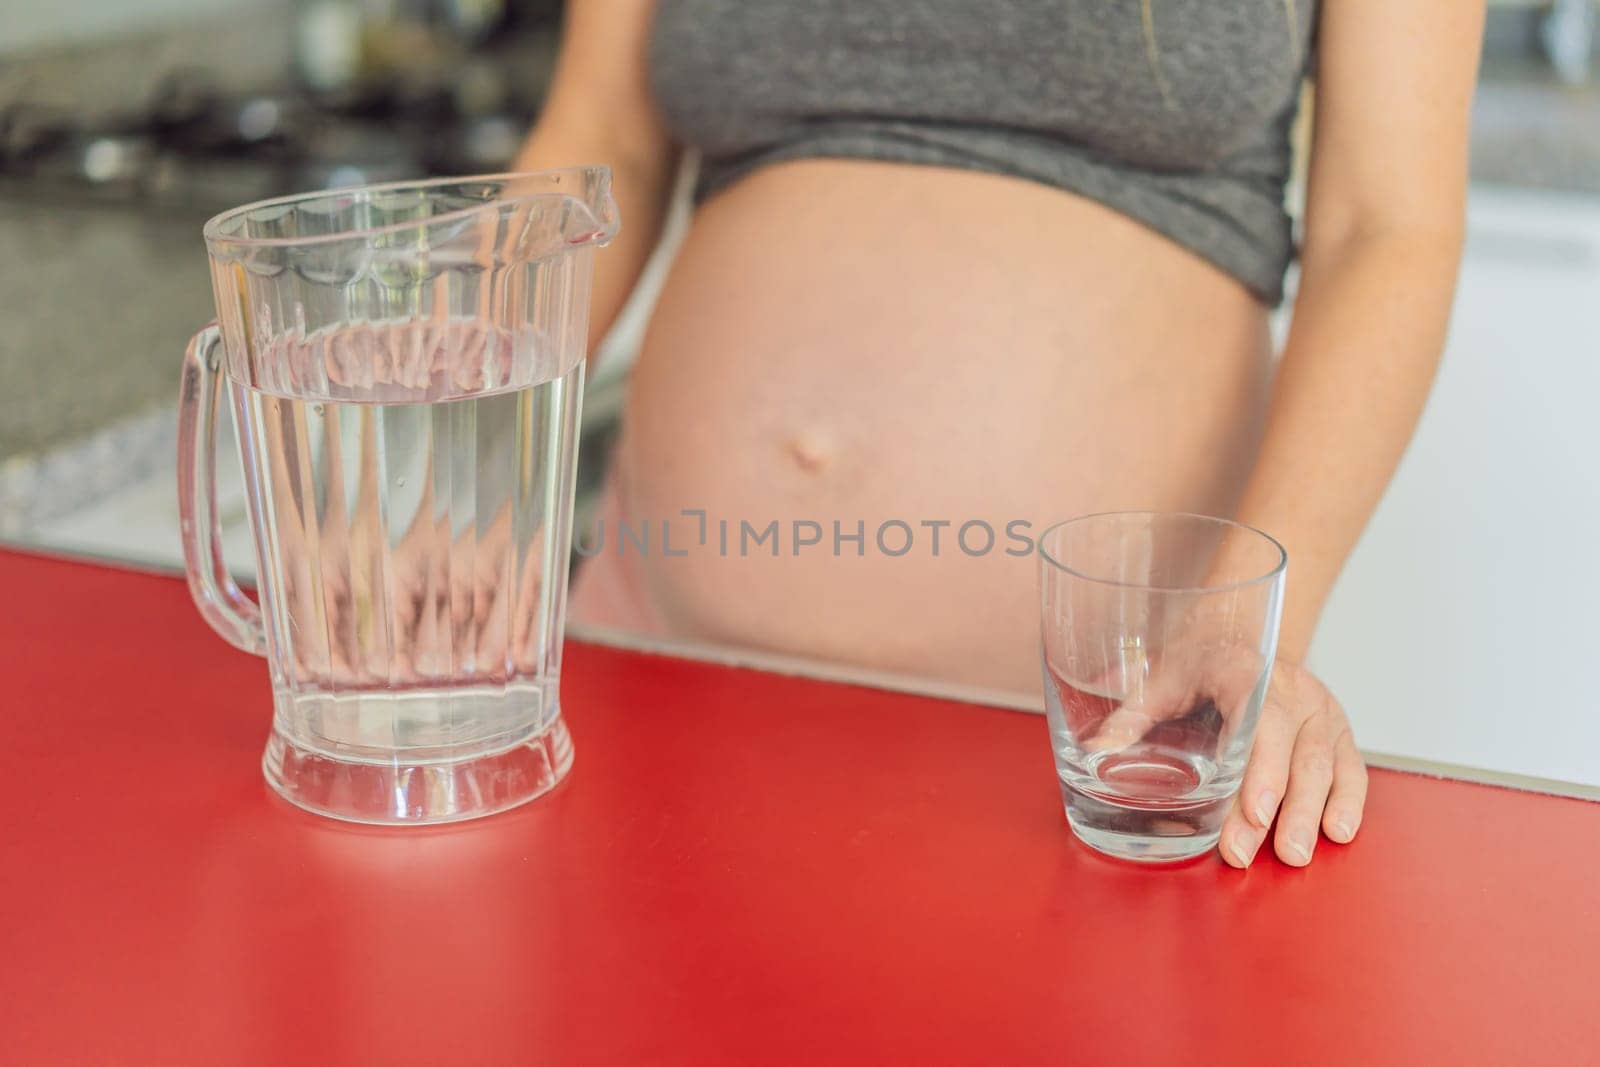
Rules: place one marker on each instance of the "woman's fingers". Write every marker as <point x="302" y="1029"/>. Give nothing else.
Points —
<point x="1348" y="797"/>
<point x="1131" y="720"/>
<point x="1267" y="775"/>
<point x="1310" y="779"/>
<point x="1127" y="724"/>
<point x="1245" y="826"/>
<point x="1241" y="838"/>
<point x="1304" y="768"/>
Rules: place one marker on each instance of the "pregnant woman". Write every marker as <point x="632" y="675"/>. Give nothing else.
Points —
<point x="1013" y="261"/>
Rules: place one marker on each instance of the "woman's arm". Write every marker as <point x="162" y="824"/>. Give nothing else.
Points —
<point x="1384" y="227"/>
<point x="599" y="110"/>
<point x="1383" y="235"/>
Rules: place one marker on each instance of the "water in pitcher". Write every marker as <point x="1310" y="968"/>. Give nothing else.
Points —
<point x="1175" y="781"/>
<point x="412" y="491"/>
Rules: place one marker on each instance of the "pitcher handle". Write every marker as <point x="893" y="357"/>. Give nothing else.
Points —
<point x="232" y="614"/>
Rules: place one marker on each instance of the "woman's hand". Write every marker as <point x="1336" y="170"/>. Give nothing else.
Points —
<point x="1304" y="768"/>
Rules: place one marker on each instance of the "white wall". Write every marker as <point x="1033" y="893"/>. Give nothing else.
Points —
<point x="1467" y="626"/>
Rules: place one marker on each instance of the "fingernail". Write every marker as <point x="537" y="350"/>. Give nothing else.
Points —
<point x="1342" y="830"/>
<point x="1243" y="845"/>
<point x="1266" y="804"/>
<point x="1299" y="847"/>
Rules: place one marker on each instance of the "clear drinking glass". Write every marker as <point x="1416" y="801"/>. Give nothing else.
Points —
<point x="405" y="368"/>
<point x="1158" y="635"/>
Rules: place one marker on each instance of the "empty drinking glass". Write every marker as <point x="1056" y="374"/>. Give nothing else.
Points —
<point x="1158" y="633"/>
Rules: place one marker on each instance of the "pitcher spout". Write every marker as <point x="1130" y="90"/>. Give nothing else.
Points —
<point x="554" y="210"/>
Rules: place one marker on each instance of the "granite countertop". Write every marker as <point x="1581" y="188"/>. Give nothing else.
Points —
<point x="99" y="303"/>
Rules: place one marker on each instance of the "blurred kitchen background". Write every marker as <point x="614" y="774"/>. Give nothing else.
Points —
<point x="1462" y="632"/>
<point x="124" y="127"/>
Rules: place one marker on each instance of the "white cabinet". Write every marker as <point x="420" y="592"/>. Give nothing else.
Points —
<point x="1466" y="628"/>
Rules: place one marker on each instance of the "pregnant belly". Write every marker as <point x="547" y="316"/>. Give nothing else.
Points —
<point x="872" y="345"/>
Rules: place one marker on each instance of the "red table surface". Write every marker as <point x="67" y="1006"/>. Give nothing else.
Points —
<point x="742" y="869"/>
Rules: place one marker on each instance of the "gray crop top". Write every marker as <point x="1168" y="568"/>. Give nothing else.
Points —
<point x="1173" y="112"/>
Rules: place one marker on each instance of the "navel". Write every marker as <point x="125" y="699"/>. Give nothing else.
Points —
<point x="812" y="450"/>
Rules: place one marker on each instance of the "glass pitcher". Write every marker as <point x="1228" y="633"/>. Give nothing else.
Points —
<point x="405" y="368"/>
